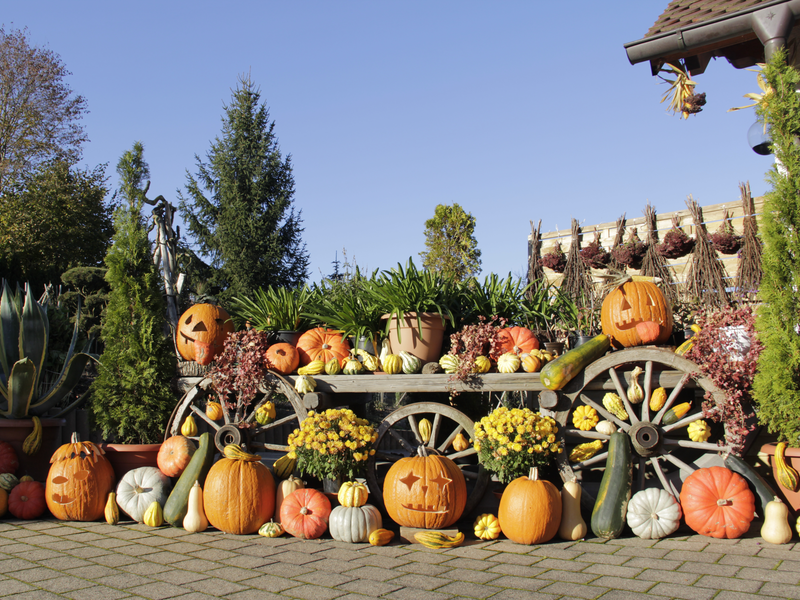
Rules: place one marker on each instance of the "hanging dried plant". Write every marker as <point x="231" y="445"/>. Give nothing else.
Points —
<point x="725" y="240"/>
<point x="555" y="260"/>
<point x="577" y="283"/>
<point x="748" y="275"/>
<point x="613" y="263"/>
<point x="705" y="276"/>
<point x="594" y="256"/>
<point x="676" y="243"/>
<point x="631" y="253"/>
<point x="535" y="272"/>
<point x="654" y="263"/>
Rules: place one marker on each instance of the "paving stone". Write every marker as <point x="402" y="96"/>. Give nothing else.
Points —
<point x="214" y="587"/>
<point x="508" y="546"/>
<point x="470" y="575"/>
<point x="643" y="552"/>
<point x="324" y="579"/>
<point x="63" y="563"/>
<point x="160" y="590"/>
<point x="247" y="562"/>
<point x="789" y="565"/>
<point x="97" y="592"/>
<point x="373" y="573"/>
<point x="251" y="595"/>
<point x="313" y="592"/>
<point x="711" y="555"/>
<point x="168" y="558"/>
<point x="469" y="590"/>
<point x="428" y="557"/>
<point x="282" y="569"/>
<point x="780" y="590"/>
<point x="231" y="573"/>
<point x="687" y="592"/>
<point x="749" y="561"/>
<point x="12" y="586"/>
<point x="668" y="576"/>
<point x="476" y="553"/>
<point x="612" y="570"/>
<point x="647" y="563"/>
<point x="726" y="583"/>
<point x="423" y="569"/>
<point x="623" y="583"/>
<point x="520" y="583"/>
<point x="112" y="543"/>
<point x="465" y="563"/>
<point x="88" y="552"/>
<point x="42" y="554"/>
<point x="196" y="564"/>
<point x="559" y="553"/>
<point x="187" y="548"/>
<point x="61" y="584"/>
<point x="594" y="548"/>
<point x="38" y="595"/>
<point x="422" y="582"/>
<point x="514" y="559"/>
<point x="676" y="544"/>
<point x="369" y="588"/>
<point x="607" y="559"/>
<point x="561" y="565"/>
<point x="124" y="580"/>
<point x="571" y="576"/>
<point x="706" y="569"/>
<point x="299" y="558"/>
<point x="417" y="594"/>
<point x="269" y="583"/>
<point x="514" y="594"/>
<point x="136" y="550"/>
<point x="375" y="560"/>
<point x="624" y="595"/>
<point x="517" y="570"/>
<point x="93" y="572"/>
<point x="38" y="574"/>
<point x="116" y="560"/>
<point x="178" y="576"/>
<point x="565" y="588"/>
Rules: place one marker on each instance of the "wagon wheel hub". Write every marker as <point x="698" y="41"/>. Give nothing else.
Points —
<point x="228" y="434"/>
<point x="646" y="439"/>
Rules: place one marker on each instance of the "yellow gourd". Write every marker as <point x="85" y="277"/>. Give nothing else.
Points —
<point x="585" y="417"/>
<point x="776" y="529"/>
<point x="486" y="527"/>
<point x="573" y="527"/>
<point x="508" y="363"/>
<point x="425" y="430"/>
<point x="460" y="443"/>
<point x="214" y="411"/>
<point x="635" y="392"/>
<point x="112" y="509"/>
<point x="195" y="520"/>
<point x="189" y="427"/>
<point x="482" y="364"/>
<point x="154" y="515"/>
<point x="698" y="431"/>
<point x="785" y="475"/>
<point x="352" y="493"/>
<point x="657" y="399"/>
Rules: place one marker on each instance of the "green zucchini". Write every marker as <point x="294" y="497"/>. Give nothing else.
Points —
<point x="611" y="506"/>
<point x="559" y="372"/>
<point x="758" y="485"/>
<point x="177" y="505"/>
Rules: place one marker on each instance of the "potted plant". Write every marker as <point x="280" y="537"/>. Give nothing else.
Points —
<point x="278" y="310"/>
<point x="511" y="441"/>
<point x="503" y="298"/>
<point x="416" y="304"/>
<point x="25" y="394"/>
<point x="470" y="342"/>
<point x="333" y="446"/>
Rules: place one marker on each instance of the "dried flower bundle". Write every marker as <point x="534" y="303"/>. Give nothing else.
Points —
<point x="555" y="260"/>
<point x="676" y="243"/>
<point x="594" y="256"/>
<point x="631" y="253"/>
<point x="725" y="240"/>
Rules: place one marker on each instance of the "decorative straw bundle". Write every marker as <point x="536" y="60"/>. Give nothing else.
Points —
<point x="705" y="276"/>
<point x="654" y="264"/>
<point x="612" y="263"/>
<point x="577" y="283"/>
<point x="748" y="275"/>
<point x="535" y="271"/>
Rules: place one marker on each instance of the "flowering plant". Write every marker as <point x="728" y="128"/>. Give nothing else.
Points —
<point x="511" y="441"/>
<point x="332" y="444"/>
<point x="731" y="374"/>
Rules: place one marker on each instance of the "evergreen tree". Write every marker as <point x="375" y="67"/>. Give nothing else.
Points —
<point x="131" y="399"/>
<point x="247" y="224"/>
<point x="452" y="249"/>
<point x="776" y="386"/>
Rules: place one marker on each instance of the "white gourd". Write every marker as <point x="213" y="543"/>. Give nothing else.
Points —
<point x="572" y="527"/>
<point x="654" y="513"/>
<point x="139" y="488"/>
<point x="606" y="427"/>
<point x="353" y="524"/>
<point x="195" y="520"/>
<point x="286" y="487"/>
<point x="776" y="528"/>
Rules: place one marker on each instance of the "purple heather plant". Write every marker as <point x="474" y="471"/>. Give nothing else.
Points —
<point x="733" y="377"/>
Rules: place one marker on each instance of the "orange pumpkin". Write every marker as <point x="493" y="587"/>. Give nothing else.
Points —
<point x="717" y="503"/>
<point x="174" y="455"/>
<point x="322" y="344"/>
<point x="8" y="458"/>
<point x="518" y="340"/>
<point x="79" y="481"/>
<point x="283" y="358"/>
<point x="305" y="513"/>
<point x="239" y="495"/>
<point x="530" y="510"/>
<point x="26" y="500"/>
<point x="426" y="491"/>
<point x="634" y="307"/>
<point x="202" y="331"/>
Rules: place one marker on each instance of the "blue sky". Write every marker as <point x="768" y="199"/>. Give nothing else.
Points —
<point x="516" y="110"/>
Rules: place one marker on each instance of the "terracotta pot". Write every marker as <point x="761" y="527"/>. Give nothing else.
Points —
<point x="767" y="455"/>
<point x="124" y="457"/>
<point x="14" y="431"/>
<point x="428" y="347"/>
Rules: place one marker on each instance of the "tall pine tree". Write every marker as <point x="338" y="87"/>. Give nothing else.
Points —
<point x="451" y="247"/>
<point x="131" y="399"/>
<point x="240" y="208"/>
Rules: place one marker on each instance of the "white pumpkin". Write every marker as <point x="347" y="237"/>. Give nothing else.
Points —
<point x="139" y="488"/>
<point x="286" y="487"/>
<point x="654" y="513"/>
<point x="353" y="524"/>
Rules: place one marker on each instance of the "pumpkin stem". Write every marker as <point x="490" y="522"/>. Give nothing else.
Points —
<point x="304" y="510"/>
<point x="533" y="475"/>
<point x="723" y="502"/>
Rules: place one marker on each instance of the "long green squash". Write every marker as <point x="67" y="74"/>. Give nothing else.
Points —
<point x="758" y="485"/>
<point x="559" y="372"/>
<point x="177" y="504"/>
<point x="611" y="506"/>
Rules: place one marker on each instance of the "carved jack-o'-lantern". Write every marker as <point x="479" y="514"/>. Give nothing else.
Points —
<point x="636" y="313"/>
<point x="426" y="491"/>
<point x="202" y="331"/>
<point x="79" y="481"/>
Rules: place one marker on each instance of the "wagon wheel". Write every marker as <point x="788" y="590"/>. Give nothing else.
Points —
<point x="242" y="428"/>
<point x="663" y="455"/>
<point x="399" y="437"/>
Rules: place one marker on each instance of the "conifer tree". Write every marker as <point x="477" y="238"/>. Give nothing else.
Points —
<point x="131" y="399"/>
<point x="239" y="206"/>
<point x="452" y="249"/>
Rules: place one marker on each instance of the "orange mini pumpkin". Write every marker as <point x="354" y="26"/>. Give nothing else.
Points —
<point x="79" y="481"/>
<point x="322" y="344"/>
<point x="717" y="503"/>
<point x="174" y="455"/>
<point x="305" y="513"/>
<point x="518" y="340"/>
<point x="202" y="331"/>
<point x="426" y="491"/>
<point x="283" y="358"/>
<point x="636" y="307"/>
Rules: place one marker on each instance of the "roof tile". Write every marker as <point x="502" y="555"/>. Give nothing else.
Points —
<point x="682" y="13"/>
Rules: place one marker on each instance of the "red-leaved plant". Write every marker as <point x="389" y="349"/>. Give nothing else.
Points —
<point x="472" y="341"/>
<point x="733" y="377"/>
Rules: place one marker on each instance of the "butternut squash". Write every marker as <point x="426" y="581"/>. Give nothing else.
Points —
<point x="572" y="527"/>
<point x="195" y="520"/>
<point x="776" y="528"/>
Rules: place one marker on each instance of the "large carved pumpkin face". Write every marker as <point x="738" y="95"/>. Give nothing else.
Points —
<point x="202" y="331"/>
<point x="79" y="481"/>
<point x="425" y="491"/>
<point x="636" y="313"/>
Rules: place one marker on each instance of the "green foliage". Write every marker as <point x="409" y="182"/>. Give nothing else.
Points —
<point x="246" y="224"/>
<point x="272" y="309"/>
<point x="776" y="386"/>
<point x="494" y="296"/>
<point x="131" y="399"/>
<point x="452" y="249"/>
<point x="88" y="286"/>
<point x="39" y="114"/>
<point x="53" y="219"/>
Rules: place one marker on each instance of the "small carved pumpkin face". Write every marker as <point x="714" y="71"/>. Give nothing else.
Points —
<point x="78" y="483"/>
<point x="427" y="491"/>
<point x="636" y="313"/>
<point x="202" y="331"/>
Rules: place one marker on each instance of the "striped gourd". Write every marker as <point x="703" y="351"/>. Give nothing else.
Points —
<point x="438" y="540"/>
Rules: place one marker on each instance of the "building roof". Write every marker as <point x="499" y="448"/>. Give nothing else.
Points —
<point x="681" y="13"/>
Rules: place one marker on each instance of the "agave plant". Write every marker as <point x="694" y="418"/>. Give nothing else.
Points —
<point x="24" y="336"/>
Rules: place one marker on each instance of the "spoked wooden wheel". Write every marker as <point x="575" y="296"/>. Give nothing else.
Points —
<point x="399" y="437"/>
<point x="663" y="455"/>
<point x="240" y="427"/>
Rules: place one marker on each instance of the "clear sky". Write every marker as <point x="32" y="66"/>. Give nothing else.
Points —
<point x="517" y="110"/>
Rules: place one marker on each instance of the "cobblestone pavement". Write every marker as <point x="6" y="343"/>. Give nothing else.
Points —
<point x="94" y="561"/>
